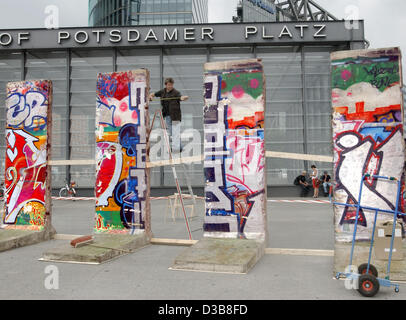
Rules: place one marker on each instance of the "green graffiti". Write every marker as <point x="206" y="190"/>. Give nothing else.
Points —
<point x="110" y="220"/>
<point x="381" y="75"/>
<point x="31" y="218"/>
<point x="111" y="129"/>
<point x="250" y="83"/>
<point x="23" y="218"/>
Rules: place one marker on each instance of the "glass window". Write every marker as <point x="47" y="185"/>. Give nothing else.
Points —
<point x="188" y="18"/>
<point x="52" y="66"/>
<point x="10" y="70"/>
<point x="284" y="117"/>
<point x="157" y="6"/>
<point x="180" y="18"/>
<point x="143" y="7"/>
<point x="157" y="19"/>
<point x="172" y="5"/>
<point x="185" y="66"/>
<point x="180" y="5"/>
<point x="85" y="65"/>
<point x="318" y="107"/>
<point x="172" y="19"/>
<point x="188" y="5"/>
<point x="230" y="53"/>
<point x="149" y="59"/>
<point x="165" y="6"/>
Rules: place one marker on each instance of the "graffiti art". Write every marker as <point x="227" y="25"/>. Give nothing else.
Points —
<point x="367" y="135"/>
<point x="27" y="174"/>
<point x="122" y="179"/>
<point x="234" y="150"/>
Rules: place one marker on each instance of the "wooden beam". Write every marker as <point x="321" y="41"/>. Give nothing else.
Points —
<point x="187" y="160"/>
<point x="175" y="161"/>
<point x="173" y="242"/>
<point x="298" y="156"/>
<point x="71" y="162"/>
<point x="300" y="252"/>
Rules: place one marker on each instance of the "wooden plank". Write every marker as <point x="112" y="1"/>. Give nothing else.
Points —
<point x="298" y="156"/>
<point x="187" y="160"/>
<point x="300" y="252"/>
<point x="71" y="162"/>
<point x="173" y="242"/>
<point x="61" y="236"/>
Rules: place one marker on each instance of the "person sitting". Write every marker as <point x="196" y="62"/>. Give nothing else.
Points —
<point x="301" y="181"/>
<point x="326" y="181"/>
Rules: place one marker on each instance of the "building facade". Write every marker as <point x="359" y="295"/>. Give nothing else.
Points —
<point x="280" y="10"/>
<point x="256" y="11"/>
<point x="296" y="63"/>
<point x="147" y="12"/>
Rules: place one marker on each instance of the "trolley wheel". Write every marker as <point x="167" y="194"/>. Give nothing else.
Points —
<point x="368" y="285"/>
<point x="362" y="269"/>
<point x="397" y="289"/>
<point x="63" y="192"/>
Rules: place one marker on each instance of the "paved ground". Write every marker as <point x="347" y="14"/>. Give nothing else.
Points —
<point x="145" y="274"/>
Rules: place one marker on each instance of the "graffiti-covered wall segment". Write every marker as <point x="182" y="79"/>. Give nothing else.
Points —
<point x="367" y="135"/>
<point x="234" y="149"/>
<point x="122" y="179"/>
<point x="27" y="175"/>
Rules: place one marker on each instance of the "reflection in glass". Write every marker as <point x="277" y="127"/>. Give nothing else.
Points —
<point x="53" y="66"/>
<point x="85" y="65"/>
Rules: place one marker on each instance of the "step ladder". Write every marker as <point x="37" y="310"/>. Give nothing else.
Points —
<point x="176" y="201"/>
<point x="189" y="199"/>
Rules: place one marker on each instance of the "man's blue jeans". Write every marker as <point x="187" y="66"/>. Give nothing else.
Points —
<point x="173" y="130"/>
<point x="325" y="184"/>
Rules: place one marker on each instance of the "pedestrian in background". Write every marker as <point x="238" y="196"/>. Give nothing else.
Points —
<point x="315" y="181"/>
<point x="301" y="181"/>
<point x="326" y="181"/>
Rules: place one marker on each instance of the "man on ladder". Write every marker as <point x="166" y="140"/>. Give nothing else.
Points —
<point x="170" y="102"/>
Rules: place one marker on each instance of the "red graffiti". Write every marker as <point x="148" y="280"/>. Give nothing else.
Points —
<point x="368" y="116"/>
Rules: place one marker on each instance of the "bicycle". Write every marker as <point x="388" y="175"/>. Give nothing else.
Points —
<point x="2" y="190"/>
<point x="68" y="190"/>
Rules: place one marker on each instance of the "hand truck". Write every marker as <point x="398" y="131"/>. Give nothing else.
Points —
<point x="367" y="275"/>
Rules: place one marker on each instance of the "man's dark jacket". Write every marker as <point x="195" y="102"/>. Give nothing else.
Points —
<point x="170" y="107"/>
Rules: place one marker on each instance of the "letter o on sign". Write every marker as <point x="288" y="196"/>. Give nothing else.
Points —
<point x="8" y="37"/>
<point x="84" y="38"/>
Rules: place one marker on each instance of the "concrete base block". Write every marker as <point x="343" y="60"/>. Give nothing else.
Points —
<point x="15" y="238"/>
<point x="104" y="248"/>
<point x="361" y="252"/>
<point x="220" y="255"/>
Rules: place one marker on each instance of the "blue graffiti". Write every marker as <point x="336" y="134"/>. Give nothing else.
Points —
<point x="219" y="212"/>
<point x="378" y="134"/>
<point x="103" y="109"/>
<point x="129" y="139"/>
<point x="22" y="109"/>
<point x="107" y="86"/>
<point x="126" y="196"/>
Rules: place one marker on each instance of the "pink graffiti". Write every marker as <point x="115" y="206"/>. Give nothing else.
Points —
<point x="346" y="74"/>
<point x="238" y="92"/>
<point x="254" y="83"/>
<point x="247" y="160"/>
